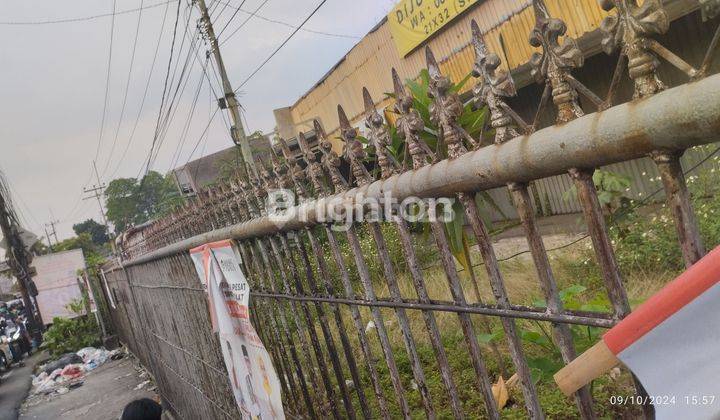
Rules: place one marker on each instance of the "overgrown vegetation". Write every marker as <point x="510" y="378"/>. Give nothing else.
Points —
<point x="68" y="335"/>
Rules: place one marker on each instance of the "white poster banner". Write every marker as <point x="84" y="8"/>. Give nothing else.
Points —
<point x="252" y="376"/>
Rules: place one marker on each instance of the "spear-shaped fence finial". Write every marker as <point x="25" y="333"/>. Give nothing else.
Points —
<point x="493" y="85"/>
<point x="631" y="29"/>
<point x="314" y="170"/>
<point x="330" y="160"/>
<point x="409" y="124"/>
<point x="554" y="64"/>
<point x="379" y="137"/>
<point x="445" y="109"/>
<point x="353" y="152"/>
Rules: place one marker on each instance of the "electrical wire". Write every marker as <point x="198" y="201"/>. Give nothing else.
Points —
<point x="289" y="25"/>
<point x="182" y="80"/>
<point x="144" y="97"/>
<point x="280" y="46"/>
<point x="202" y="135"/>
<point x="231" y="18"/>
<point x="217" y="16"/>
<point x="84" y="18"/>
<point x="178" y="92"/>
<point x="127" y="88"/>
<point x="107" y="83"/>
<point x="162" y="101"/>
<point x="247" y="19"/>
<point x="186" y="128"/>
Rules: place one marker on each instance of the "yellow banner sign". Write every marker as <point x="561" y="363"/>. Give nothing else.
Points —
<point x="414" y="21"/>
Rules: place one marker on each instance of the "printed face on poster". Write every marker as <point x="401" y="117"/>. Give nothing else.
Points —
<point x="252" y="376"/>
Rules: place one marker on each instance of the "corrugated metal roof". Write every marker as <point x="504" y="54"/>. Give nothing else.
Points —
<point x="505" y="22"/>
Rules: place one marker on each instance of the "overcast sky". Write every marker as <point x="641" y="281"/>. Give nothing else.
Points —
<point x="53" y="87"/>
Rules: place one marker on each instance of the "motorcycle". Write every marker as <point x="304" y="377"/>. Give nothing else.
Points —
<point x="17" y="341"/>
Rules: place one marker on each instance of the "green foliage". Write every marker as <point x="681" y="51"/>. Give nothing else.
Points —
<point x="97" y="232"/>
<point x="130" y="202"/>
<point x="473" y="122"/>
<point x="574" y="297"/>
<point x="424" y="253"/>
<point x="94" y="254"/>
<point x="611" y="190"/>
<point x="70" y="335"/>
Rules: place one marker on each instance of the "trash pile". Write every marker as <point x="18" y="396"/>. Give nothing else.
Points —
<point x="68" y="371"/>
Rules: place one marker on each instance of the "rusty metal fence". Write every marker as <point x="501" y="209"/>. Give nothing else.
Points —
<point x="330" y="311"/>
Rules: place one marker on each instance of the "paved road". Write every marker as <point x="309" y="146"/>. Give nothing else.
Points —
<point x="103" y="395"/>
<point x="14" y="387"/>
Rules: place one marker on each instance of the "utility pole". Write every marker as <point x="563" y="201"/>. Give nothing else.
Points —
<point x="237" y="131"/>
<point x="54" y="231"/>
<point x="19" y="260"/>
<point x="96" y="192"/>
<point x="47" y="235"/>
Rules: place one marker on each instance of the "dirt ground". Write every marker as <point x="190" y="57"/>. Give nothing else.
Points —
<point x="102" y="396"/>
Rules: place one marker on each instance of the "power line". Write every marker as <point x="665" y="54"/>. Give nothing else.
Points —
<point x="281" y="45"/>
<point x="290" y="25"/>
<point x="83" y="18"/>
<point x="162" y="101"/>
<point x="147" y="87"/>
<point x="182" y="80"/>
<point x="127" y="88"/>
<point x="202" y="135"/>
<point x="107" y="83"/>
<point x="186" y="128"/>
<point x="217" y="16"/>
<point x="24" y="205"/>
<point x="231" y="18"/>
<point x="247" y="19"/>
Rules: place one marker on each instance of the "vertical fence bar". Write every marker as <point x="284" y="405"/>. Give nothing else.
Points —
<point x="317" y="175"/>
<point x="250" y="202"/>
<point x="554" y="65"/>
<point x="493" y="86"/>
<point x="271" y="183"/>
<point x="354" y="154"/>
<point x="380" y="138"/>
<point x="259" y="276"/>
<point x="291" y="175"/>
<point x="561" y="332"/>
<point x="329" y="390"/>
<point x="293" y="351"/>
<point x="329" y="289"/>
<point x="409" y="125"/>
<point x="260" y="190"/>
<point x="444" y="111"/>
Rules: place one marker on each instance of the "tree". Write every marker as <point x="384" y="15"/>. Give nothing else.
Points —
<point x="121" y="202"/>
<point x="93" y="252"/>
<point x="96" y="231"/>
<point x="130" y="202"/>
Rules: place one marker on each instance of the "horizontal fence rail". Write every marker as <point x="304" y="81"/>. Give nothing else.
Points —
<point x="677" y="119"/>
<point x="356" y="323"/>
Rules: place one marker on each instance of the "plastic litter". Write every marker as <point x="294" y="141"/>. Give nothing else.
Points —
<point x="64" y="360"/>
<point x="73" y="371"/>
<point x="141" y="385"/>
<point x="68" y="371"/>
